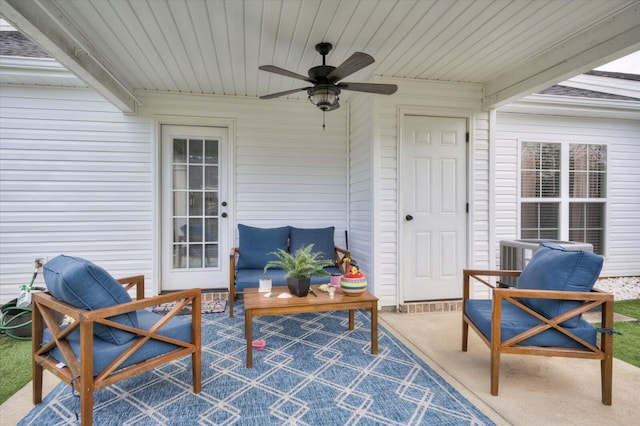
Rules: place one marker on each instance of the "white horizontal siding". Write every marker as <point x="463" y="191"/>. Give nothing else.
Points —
<point x="76" y="178"/>
<point x="361" y="210"/>
<point x="479" y="193"/>
<point x="288" y="170"/>
<point x="623" y="140"/>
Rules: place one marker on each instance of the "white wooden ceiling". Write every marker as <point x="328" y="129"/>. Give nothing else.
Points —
<point x="513" y="47"/>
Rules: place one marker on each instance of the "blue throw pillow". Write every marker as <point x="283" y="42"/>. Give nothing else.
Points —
<point x="85" y="285"/>
<point x="554" y="268"/>
<point x="257" y="244"/>
<point x="321" y="238"/>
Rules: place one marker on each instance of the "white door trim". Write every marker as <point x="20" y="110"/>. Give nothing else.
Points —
<point x="402" y="112"/>
<point x="171" y="120"/>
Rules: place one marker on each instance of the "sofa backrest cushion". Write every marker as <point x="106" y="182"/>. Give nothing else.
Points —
<point x="86" y="285"/>
<point x="257" y="245"/>
<point x="552" y="267"/>
<point x="321" y="238"/>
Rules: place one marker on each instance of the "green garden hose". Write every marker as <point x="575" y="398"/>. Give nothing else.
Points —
<point x="15" y="321"/>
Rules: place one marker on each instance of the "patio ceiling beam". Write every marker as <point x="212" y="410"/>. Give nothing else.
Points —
<point x="610" y="39"/>
<point x="49" y="28"/>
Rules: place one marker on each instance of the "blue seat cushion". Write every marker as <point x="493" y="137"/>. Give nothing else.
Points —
<point x="258" y="244"/>
<point x="554" y="268"/>
<point x="321" y="238"/>
<point x="86" y="285"/>
<point x="515" y="321"/>
<point x="249" y="278"/>
<point x="105" y="352"/>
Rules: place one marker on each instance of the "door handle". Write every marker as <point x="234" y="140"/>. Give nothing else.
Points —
<point x="409" y="217"/>
<point x="223" y="215"/>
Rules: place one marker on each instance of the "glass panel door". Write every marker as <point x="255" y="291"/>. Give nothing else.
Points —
<point x="195" y="229"/>
<point x="196" y="177"/>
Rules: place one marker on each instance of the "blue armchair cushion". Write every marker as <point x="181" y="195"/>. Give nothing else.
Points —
<point x="515" y="321"/>
<point x="257" y="245"/>
<point x="105" y="352"/>
<point x="86" y="285"/>
<point x="554" y="268"/>
<point x="321" y="238"/>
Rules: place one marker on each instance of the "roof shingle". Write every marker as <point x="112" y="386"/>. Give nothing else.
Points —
<point x="14" y="43"/>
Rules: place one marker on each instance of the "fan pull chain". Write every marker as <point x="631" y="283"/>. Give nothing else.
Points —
<point x="323" y="126"/>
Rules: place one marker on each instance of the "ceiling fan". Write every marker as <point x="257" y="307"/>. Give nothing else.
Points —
<point x="326" y="90"/>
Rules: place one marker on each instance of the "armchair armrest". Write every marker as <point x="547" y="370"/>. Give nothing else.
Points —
<point x="477" y="275"/>
<point x="343" y="259"/>
<point x="235" y="252"/>
<point x="136" y="281"/>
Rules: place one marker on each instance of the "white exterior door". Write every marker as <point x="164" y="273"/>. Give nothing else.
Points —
<point x="433" y="211"/>
<point x="195" y="205"/>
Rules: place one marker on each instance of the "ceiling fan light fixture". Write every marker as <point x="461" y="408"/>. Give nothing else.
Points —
<point x="324" y="96"/>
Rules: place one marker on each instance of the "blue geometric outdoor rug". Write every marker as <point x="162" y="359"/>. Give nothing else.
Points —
<point x="313" y="371"/>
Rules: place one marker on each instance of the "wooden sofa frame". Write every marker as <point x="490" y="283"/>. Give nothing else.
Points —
<point x="593" y="299"/>
<point x="343" y="261"/>
<point x="79" y="373"/>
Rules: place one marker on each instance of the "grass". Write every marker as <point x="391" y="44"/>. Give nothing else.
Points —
<point x="625" y="347"/>
<point x="15" y="368"/>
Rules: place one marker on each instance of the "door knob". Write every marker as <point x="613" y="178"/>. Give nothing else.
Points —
<point x="408" y="217"/>
<point x="223" y="215"/>
<point x="224" y="204"/>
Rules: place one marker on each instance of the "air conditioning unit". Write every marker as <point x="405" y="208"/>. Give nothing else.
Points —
<point x="515" y="254"/>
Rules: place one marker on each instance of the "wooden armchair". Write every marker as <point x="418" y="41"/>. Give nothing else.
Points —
<point x="80" y="356"/>
<point x="509" y="325"/>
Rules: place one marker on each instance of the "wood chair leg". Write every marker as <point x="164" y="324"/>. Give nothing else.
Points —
<point x="36" y="340"/>
<point x="606" y="371"/>
<point x="465" y="335"/>
<point x="196" y="368"/>
<point x="37" y="383"/>
<point x="86" y="407"/>
<point x="495" y="372"/>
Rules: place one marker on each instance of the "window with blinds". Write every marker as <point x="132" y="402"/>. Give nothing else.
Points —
<point x="563" y="192"/>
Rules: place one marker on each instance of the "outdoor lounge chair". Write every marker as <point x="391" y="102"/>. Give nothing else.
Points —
<point x="542" y="315"/>
<point x="110" y="337"/>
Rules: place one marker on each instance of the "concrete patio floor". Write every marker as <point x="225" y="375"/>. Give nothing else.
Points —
<point x="533" y="390"/>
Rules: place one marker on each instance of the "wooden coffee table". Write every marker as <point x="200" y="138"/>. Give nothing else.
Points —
<point x="255" y="305"/>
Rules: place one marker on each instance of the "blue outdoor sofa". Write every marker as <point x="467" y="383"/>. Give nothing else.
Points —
<point x="256" y="245"/>
<point x="542" y="315"/>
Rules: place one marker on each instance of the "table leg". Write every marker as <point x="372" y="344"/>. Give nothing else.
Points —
<point x="352" y="321"/>
<point x="374" y="327"/>
<point x="248" y="333"/>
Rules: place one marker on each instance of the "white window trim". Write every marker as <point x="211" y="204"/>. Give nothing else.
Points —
<point x="564" y="199"/>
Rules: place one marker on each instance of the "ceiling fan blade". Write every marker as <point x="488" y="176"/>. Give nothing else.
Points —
<point x="381" y="89"/>
<point x="288" y="92"/>
<point x="281" y="71"/>
<point x="354" y="63"/>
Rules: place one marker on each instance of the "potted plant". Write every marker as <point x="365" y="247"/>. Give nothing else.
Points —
<point x="300" y="266"/>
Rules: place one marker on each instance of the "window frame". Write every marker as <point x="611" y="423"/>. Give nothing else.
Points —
<point x="564" y="200"/>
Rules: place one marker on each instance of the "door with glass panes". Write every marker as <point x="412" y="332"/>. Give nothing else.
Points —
<point x="195" y="235"/>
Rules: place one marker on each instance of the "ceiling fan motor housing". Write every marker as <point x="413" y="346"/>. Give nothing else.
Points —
<point x="320" y="73"/>
<point x="324" y="96"/>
